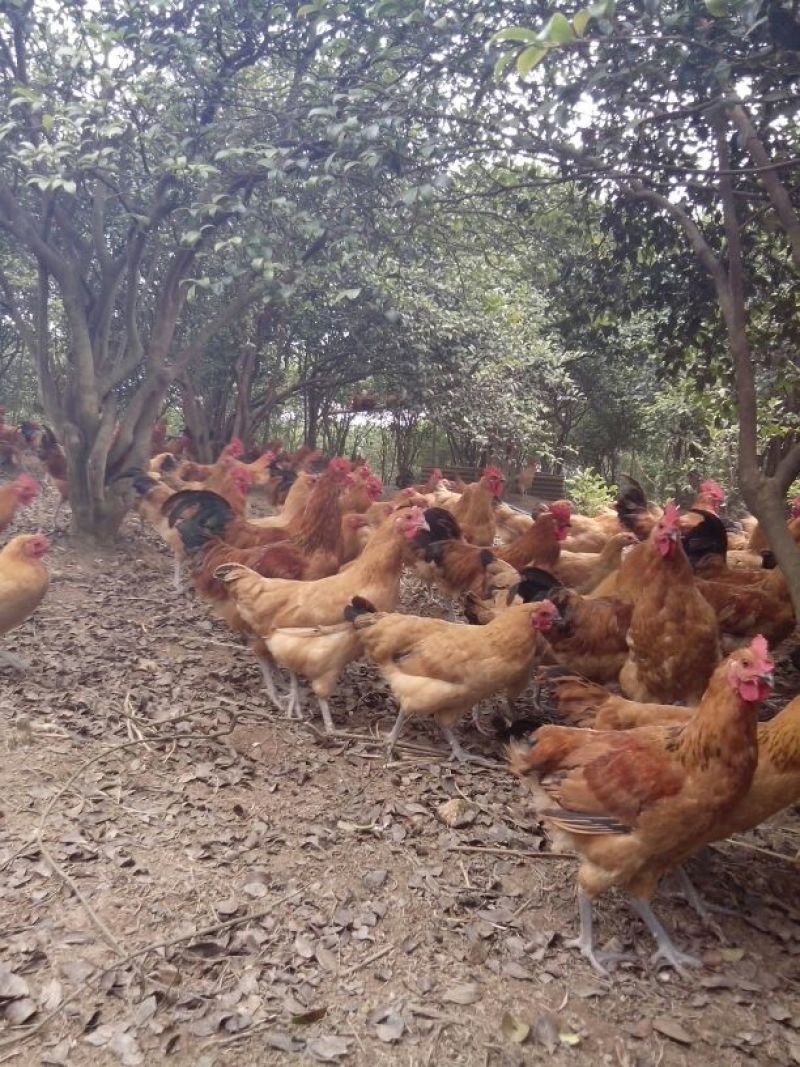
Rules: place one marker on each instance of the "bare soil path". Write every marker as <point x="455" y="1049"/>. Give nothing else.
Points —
<point x="187" y="878"/>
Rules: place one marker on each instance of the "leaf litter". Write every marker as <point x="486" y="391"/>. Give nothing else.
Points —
<point x="272" y="897"/>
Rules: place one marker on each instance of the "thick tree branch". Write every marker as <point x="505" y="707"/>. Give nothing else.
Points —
<point x="778" y="194"/>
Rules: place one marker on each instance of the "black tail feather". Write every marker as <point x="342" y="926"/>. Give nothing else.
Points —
<point x="359" y="605"/>
<point x="199" y="516"/>
<point x="537" y="584"/>
<point x="707" y="538"/>
<point x="442" y="527"/>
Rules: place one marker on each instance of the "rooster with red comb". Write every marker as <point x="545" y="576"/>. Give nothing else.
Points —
<point x="673" y="639"/>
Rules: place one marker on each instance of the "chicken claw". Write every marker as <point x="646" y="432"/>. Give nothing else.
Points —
<point x="700" y="906"/>
<point x="460" y="754"/>
<point x="584" y="942"/>
<point x="478" y="723"/>
<point x="666" y="950"/>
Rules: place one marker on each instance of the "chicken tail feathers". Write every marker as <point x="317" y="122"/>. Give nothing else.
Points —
<point x="358" y="607"/>
<point x="198" y="516"/>
<point x="578" y="822"/>
<point x="708" y="537"/>
<point x="231" y="572"/>
<point x="562" y="695"/>
<point x="536" y="584"/>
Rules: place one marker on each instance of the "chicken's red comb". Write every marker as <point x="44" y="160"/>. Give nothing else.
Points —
<point x="26" y="483"/>
<point x="713" y="489"/>
<point x="760" y="650"/>
<point x="340" y="465"/>
<point x="795" y="506"/>
<point x="235" y="447"/>
<point x="671" y="516"/>
<point x="494" y="472"/>
<point x="243" y="478"/>
<point x="562" y="509"/>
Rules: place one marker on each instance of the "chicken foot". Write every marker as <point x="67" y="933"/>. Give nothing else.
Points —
<point x="460" y="754"/>
<point x="666" y="950"/>
<point x="269" y="682"/>
<point x="704" y="910"/>
<point x="584" y="942"/>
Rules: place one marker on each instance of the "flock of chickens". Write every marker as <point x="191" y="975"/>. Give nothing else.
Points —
<point x="680" y="611"/>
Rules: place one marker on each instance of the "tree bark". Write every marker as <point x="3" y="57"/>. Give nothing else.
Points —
<point x="763" y="495"/>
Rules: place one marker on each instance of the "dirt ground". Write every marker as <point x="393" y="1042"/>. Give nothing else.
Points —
<point x="188" y="878"/>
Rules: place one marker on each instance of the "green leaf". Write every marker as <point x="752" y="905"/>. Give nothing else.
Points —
<point x="558" y="30"/>
<point x="500" y="66"/>
<point x="719" y="9"/>
<point x="530" y="58"/>
<point x="47" y="123"/>
<point x="581" y="21"/>
<point x="602" y="9"/>
<point x="515" y="33"/>
<point x="307" y="9"/>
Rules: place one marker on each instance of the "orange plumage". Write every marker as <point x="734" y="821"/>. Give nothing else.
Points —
<point x="301" y="622"/>
<point x="474" y="509"/>
<point x="441" y="670"/>
<point x="540" y="545"/>
<point x="673" y="637"/>
<point x="14" y="495"/>
<point x="23" y="583"/>
<point x="636" y="803"/>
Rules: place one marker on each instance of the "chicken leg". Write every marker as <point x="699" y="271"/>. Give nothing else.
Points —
<point x="325" y="708"/>
<point x="392" y="737"/>
<point x="460" y="754"/>
<point x="294" y="705"/>
<point x="699" y="905"/>
<point x="269" y="682"/>
<point x="666" y="950"/>
<point x="584" y="942"/>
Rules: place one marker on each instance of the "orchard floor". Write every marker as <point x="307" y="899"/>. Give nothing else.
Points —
<point x="189" y="879"/>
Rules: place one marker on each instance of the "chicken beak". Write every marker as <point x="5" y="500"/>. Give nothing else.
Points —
<point x="768" y="679"/>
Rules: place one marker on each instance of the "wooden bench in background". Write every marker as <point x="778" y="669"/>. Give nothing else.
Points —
<point x="547" y="487"/>
<point x="466" y="474"/>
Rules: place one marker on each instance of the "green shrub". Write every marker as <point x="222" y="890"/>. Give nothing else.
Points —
<point x="589" y="491"/>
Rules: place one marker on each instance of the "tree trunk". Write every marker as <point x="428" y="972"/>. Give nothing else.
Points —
<point x="764" y="496"/>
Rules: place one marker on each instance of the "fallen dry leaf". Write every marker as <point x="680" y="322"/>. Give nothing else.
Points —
<point x="672" y="1028"/>
<point x="514" y="1029"/>
<point x="390" y="1028"/>
<point x="456" y="813"/>
<point x="468" y="993"/>
<point x="328" y="1049"/>
<point x="12" y="985"/>
<point x="303" y="1018"/>
<point x="19" y="1011"/>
